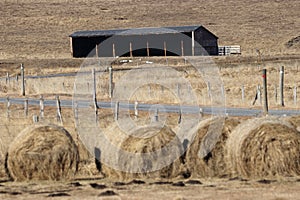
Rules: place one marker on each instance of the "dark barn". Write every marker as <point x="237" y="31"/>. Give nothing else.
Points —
<point x="167" y="41"/>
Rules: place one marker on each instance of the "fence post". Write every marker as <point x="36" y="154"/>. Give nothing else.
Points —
<point x="178" y="89"/>
<point x="110" y="84"/>
<point x="41" y="106"/>
<point x="295" y="95"/>
<point x="7" y="78"/>
<point x="243" y="93"/>
<point x="117" y="104"/>
<point x="281" y="84"/>
<point x="208" y="90"/>
<point x="26" y="107"/>
<point x="94" y="90"/>
<point x="156" y="115"/>
<point x="275" y="93"/>
<point x="165" y="48"/>
<point x="23" y="80"/>
<point x="136" y="111"/>
<point x="265" y="94"/>
<point x="58" y="108"/>
<point x="8" y="107"/>
<point x="180" y="116"/>
<point x="259" y="94"/>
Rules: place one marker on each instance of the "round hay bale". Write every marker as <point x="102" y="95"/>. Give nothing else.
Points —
<point x="205" y="155"/>
<point x="295" y="121"/>
<point x="264" y="147"/>
<point x="43" y="153"/>
<point x="158" y="149"/>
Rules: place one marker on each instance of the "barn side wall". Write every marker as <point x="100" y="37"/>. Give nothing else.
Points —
<point x="175" y="44"/>
<point x="207" y="40"/>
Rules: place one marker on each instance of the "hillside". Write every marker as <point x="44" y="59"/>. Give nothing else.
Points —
<point x="32" y="29"/>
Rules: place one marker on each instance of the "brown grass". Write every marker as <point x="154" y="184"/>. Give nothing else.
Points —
<point x="264" y="147"/>
<point x="43" y="153"/>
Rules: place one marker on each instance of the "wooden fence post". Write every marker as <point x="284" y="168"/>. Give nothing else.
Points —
<point x="275" y="93"/>
<point x="136" y="111"/>
<point x="180" y="116"/>
<point x="41" y="106"/>
<point x="58" y="108"/>
<point x="281" y="85"/>
<point x="265" y="94"/>
<point x="295" y="95"/>
<point x="243" y="93"/>
<point x="26" y="107"/>
<point x="259" y="94"/>
<point x="8" y="107"/>
<point x="23" y="80"/>
<point x="117" y="104"/>
<point x="156" y="115"/>
<point x="94" y="90"/>
<point x="7" y="78"/>
<point x="110" y="84"/>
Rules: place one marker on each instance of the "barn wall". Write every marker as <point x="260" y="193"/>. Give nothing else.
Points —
<point x="207" y="40"/>
<point x="85" y="46"/>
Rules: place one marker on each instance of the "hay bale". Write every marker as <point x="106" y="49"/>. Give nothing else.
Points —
<point x="43" y="153"/>
<point x="294" y="121"/>
<point x="158" y="150"/>
<point x="205" y="155"/>
<point x="264" y="147"/>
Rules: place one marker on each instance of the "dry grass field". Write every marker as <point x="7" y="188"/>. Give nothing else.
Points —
<point x="36" y="33"/>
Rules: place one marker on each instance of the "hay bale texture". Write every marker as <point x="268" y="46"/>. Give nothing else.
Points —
<point x="43" y="153"/>
<point x="264" y="147"/>
<point x="143" y="142"/>
<point x="205" y="155"/>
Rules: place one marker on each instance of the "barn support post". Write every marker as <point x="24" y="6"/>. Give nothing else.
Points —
<point x="193" y="43"/>
<point x="42" y="106"/>
<point x="182" y="48"/>
<point x="281" y="85"/>
<point x="165" y="48"/>
<point x="97" y="51"/>
<point x="265" y="94"/>
<point x="148" y="51"/>
<point x="114" y="50"/>
<point x="110" y="84"/>
<point x="22" y="80"/>
<point x="130" y="49"/>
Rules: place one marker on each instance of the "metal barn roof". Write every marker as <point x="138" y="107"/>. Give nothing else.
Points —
<point x="136" y="31"/>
